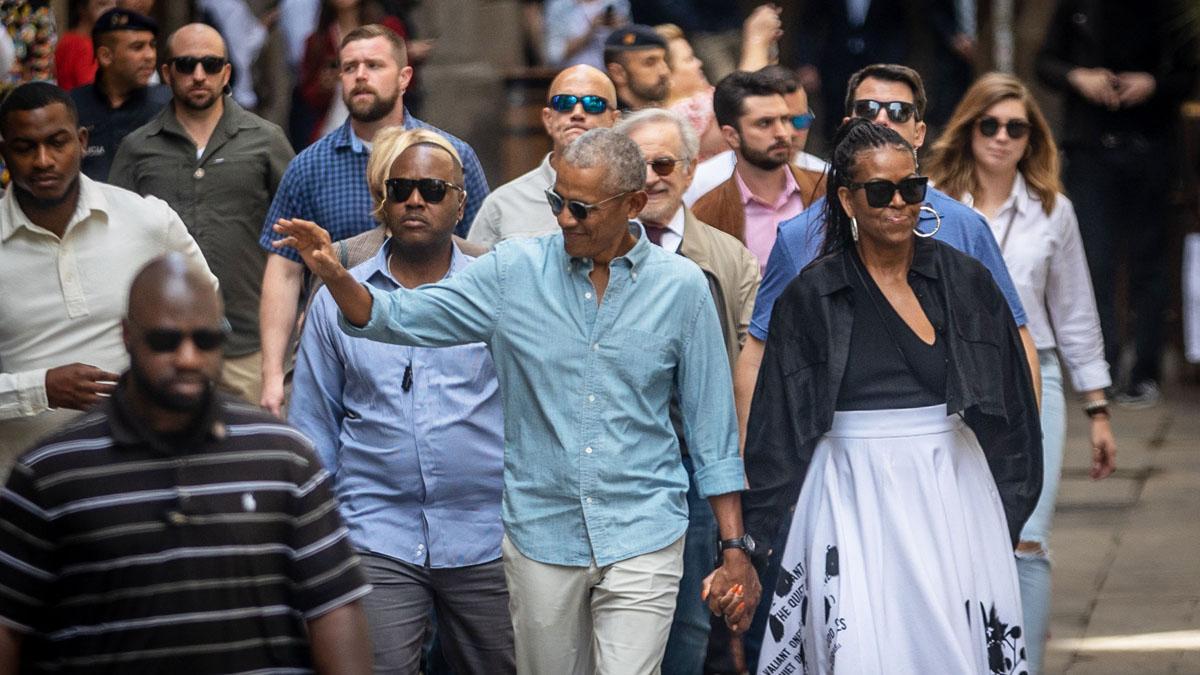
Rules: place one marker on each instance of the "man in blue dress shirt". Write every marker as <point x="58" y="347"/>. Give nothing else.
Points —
<point x="413" y="436"/>
<point x="593" y="330"/>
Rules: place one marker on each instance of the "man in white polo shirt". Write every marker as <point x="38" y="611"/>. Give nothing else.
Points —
<point x="69" y="248"/>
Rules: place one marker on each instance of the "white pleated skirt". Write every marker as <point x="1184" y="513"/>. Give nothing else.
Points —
<point x="898" y="560"/>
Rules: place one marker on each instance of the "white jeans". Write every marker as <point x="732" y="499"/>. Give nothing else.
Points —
<point x="610" y="620"/>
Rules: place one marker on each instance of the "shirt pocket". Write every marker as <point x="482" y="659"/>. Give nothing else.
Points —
<point x="638" y="358"/>
<point x="979" y="358"/>
<point x="804" y="361"/>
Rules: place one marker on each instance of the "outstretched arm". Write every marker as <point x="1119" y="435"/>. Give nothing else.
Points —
<point x="315" y="247"/>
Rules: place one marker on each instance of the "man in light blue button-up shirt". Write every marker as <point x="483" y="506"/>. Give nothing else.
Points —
<point x="593" y="330"/>
<point x="413" y="436"/>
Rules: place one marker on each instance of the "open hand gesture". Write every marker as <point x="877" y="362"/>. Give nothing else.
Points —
<point x="313" y="244"/>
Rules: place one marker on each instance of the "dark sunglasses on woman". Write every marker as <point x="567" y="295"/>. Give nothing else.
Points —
<point x="879" y="192"/>
<point x="592" y="105"/>
<point x="898" y="112"/>
<point x="433" y="190"/>
<point x="165" y="340"/>
<point x="1016" y="129"/>
<point x="186" y="65"/>
<point x="578" y="210"/>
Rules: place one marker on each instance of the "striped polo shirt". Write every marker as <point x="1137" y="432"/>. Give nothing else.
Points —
<point x="122" y="551"/>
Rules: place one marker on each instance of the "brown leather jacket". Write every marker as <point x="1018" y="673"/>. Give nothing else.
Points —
<point x="722" y="207"/>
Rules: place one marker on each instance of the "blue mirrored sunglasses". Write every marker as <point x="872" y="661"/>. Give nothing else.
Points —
<point x="802" y="122"/>
<point x="592" y="105"/>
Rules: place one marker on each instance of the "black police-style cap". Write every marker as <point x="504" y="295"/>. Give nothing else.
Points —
<point x="122" y="19"/>
<point x="634" y="36"/>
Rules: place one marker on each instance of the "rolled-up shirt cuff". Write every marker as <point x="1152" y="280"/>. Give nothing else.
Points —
<point x="720" y="477"/>
<point x="378" y="316"/>
<point x="1091" y="377"/>
<point x="29" y="396"/>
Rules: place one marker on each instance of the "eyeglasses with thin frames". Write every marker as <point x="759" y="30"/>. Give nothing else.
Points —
<point x="578" y="210"/>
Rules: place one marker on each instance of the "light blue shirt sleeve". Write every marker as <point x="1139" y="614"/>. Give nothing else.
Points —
<point x="706" y="405"/>
<point x="459" y="310"/>
<point x="781" y="269"/>
<point x="316" y="404"/>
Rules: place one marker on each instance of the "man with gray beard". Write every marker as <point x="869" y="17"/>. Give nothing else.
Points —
<point x="218" y="165"/>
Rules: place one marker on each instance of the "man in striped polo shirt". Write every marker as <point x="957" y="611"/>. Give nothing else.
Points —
<point x="173" y="529"/>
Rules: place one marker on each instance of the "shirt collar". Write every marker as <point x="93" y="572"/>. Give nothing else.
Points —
<point x="233" y="118"/>
<point x="1019" y="197"/>
<point x="790" y="187"/>
<point x="832" y="274"/>
<point x="546" y="170"/>
<point x="91" y="199"/>
<point x="634" y="257"/>
<point x="379" y="269"/>
<point x="675" y="225"/>
<point x="346" y="138"/>
<point x="129" y="430"/>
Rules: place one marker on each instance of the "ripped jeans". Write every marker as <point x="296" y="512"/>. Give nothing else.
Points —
<point x="1033" y="568"/>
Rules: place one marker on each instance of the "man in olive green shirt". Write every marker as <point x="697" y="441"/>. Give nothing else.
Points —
<point x="218" y="166"/>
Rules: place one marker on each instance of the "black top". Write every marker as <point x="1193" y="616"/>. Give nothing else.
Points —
<point x="890" y="366"/>
<point x="108" y="126"/>
<point x="807" y="355"/>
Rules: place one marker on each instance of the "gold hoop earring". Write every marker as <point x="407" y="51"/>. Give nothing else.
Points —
<point x="917" y="230"/>
<point x="854" y="228"/>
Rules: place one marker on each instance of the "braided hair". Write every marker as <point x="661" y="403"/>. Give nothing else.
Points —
<point x="852" y="138"/>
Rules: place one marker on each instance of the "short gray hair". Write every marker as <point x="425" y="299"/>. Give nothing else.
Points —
<point x="634" y="121"/>
<point x="600" y="147"/>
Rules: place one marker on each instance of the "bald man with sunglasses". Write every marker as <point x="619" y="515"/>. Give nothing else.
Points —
<point x="581" y="98"/>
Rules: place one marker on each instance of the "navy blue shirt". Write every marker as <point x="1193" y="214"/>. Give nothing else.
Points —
<point x="108" y="126"/>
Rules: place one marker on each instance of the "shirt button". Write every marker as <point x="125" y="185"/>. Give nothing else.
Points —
<point x="589" y="500"/>
<point x="588" y="295"/>
<point x="591" y="398"/>
<point x="199" y="174"/>
<point x="588" y="451"/>
<point x="595" y="346"/>
<point x="633" y="274"/>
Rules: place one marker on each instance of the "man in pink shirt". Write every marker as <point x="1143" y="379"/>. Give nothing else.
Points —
<point x="765" y="188"/>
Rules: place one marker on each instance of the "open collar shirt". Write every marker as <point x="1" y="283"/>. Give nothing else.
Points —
<point x="1044" y="254"/>
<point x="762" y="219"/>
<point x="63" y="298"/>
<point x="417" y="467"/>
<point x="592" y="469"/>
<point x="327" y="184"/>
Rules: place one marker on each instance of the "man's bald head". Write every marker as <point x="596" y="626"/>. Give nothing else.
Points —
<point x="565" y="124"/>
<point x="168" y="283"/>
<point x="196" y="36"/>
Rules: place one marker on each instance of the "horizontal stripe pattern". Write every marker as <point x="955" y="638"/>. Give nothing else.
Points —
<point x="122" y="557"/>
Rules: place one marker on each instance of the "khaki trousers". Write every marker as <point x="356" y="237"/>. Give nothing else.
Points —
<point x="611" y="620"/>
<point x="242" y="377"/>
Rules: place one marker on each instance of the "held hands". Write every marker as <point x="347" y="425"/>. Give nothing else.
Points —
<point x="733" y="590"/>
<point x="1134" y="88"/>
<point x="313" y="244"/>
<point x="78" y="386"/>
<point x="1112" y="90"/>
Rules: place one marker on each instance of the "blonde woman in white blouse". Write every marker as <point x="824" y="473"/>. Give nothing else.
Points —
<point x="997" y="155"/>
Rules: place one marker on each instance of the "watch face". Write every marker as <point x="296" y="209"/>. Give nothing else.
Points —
<point x="749" y="542"/>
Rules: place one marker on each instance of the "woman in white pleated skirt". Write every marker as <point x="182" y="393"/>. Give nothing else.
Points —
<point x="895" y="395"/>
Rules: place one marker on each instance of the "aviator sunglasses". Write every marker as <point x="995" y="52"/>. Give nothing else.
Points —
<point x="879" y="192"/>
<point x="898" y="112"/>
<point x="433" y="190"/>
<point x="577" y="209"/>
<point x="165" y="340"/>
<point x="186" y="65"/>
<point x="592" y="105"/>
<point x="1016" y="129"/>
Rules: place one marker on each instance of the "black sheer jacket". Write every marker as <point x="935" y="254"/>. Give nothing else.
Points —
<point x="987" y="381"/>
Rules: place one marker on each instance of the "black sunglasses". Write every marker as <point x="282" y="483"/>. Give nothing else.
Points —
<point x="186" y="65"/>
<point x="897" y="111"/>
<point x="577" y="209"/>
<point x="663" y="166"/>
<point x="165" y="340"/>
<point x="592" y="104"/>
<point x="433" y="190"/>
<point x="1016" y="129"/>
<point x="879" y="192"/>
